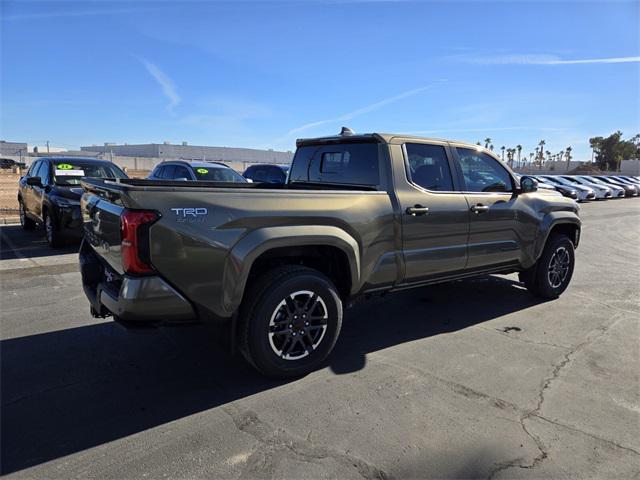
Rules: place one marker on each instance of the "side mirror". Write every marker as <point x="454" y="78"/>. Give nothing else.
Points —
<point x="34" y="181"/>
<point x="528" y="184"/>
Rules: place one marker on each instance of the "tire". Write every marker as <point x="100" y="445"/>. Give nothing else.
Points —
<point x="272" y="345"/>
<point x="551" y="274"/>
<point x="26" y="222"/>
<point x="51" y="232"/>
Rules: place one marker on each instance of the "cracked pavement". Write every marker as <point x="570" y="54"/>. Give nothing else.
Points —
<point x="475" y="379"/>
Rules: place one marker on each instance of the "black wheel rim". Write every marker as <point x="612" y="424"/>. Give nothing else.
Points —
<point x="559" y="267"/>
<point x="298" y="325"/>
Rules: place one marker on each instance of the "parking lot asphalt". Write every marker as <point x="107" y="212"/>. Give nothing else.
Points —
<point x="474" y="379"/>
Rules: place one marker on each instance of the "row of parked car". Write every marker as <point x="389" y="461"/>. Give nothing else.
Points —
<point x="583" y="188"/>
<point x="49" y="193"/>
<point x="218" y="172"/>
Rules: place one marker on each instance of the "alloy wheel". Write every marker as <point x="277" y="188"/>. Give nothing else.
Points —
<point x="48" y="228"/>
<point x="298" y="325"/>
<point x="558" y="267"/>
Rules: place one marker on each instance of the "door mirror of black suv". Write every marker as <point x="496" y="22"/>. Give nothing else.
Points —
<point x="528" y="184"/>
<point x="34" y="181"/>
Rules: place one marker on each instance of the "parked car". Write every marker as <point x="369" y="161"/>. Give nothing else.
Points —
<point x="616" y="192"/>
<point x="359" y="215"/>
<point x="629" y="190"/>
<point x="627" y="180"/>
<point x="267" y="173"/>
<point x="196" y="171"/>
<point x="584" y="193"/>
<point x="563" y="190"/>
<point x="49" y="194"/>
<point x="7" y="163"/>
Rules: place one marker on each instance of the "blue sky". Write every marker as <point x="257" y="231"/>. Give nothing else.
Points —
<point x="261" y="74"/>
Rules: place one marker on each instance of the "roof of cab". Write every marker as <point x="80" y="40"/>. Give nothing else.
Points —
<point x="377" y="138"/>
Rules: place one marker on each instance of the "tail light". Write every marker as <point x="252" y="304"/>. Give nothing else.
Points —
<point x="134" y="244"/>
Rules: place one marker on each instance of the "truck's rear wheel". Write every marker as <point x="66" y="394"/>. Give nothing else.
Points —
<point x="551" y="274"/>
<point x="290" y="321"/>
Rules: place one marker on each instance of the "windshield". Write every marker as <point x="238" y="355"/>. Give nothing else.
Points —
<point x="218" y="174"/>
<point x="71" y="172"/>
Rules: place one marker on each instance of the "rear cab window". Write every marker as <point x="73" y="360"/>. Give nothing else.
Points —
<point x="428" y="167"/>
<point x="342" y="163"/>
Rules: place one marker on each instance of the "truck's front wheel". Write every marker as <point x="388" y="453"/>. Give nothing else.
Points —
<point x="290" y="321"/>
<point x="551" y="274"/>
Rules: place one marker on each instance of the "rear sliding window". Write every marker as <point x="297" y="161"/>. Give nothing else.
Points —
<point x="348" y="163"/>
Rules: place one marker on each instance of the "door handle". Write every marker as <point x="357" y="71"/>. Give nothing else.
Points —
<point x="417" y="210"/>
<point x="479" y="208"/>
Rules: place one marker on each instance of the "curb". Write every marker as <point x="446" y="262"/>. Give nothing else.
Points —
<point x="10" y="221"/>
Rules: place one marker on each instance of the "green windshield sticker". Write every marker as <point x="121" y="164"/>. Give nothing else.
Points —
<point x="64" y="166"/>
<point x="202" y="170"/>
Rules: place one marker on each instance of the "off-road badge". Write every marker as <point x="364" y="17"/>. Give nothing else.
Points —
<point x="190" y="215"/>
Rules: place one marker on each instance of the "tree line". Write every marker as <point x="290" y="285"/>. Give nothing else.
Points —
<point x="607" y="152"/>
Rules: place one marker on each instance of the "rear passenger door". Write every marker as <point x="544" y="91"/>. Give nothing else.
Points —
<point x="435" y="217"/>
<point x="498" y="223"/>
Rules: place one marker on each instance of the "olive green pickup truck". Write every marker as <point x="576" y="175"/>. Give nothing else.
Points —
<point x="358" y="215"/>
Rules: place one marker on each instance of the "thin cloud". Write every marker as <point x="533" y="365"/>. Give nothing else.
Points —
<point x="74" y="13"/>
<point x="529" y="59"/>
<point x="166" y="84"/>
<point x="358" y="112"/>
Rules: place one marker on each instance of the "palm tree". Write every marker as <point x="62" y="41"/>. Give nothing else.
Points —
<point x="491" y="147"/>
<point x="568" y="154"/>
<point x="518" y="149"/>
<point x="531" y="155"/>
<point x="560" y="155"/>
<point x="548" y="153"/>
<point x="487" y="142"/>
<point x="502" y="148"/>
<point x="479" y="144"/>
<point x="541" y="145"/>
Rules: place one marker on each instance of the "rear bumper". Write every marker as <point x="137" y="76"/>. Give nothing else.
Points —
<point x="140" y="300"/>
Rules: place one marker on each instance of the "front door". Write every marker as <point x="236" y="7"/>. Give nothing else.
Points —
<point x="435" y="217"/>
<point x="496" y="221"/>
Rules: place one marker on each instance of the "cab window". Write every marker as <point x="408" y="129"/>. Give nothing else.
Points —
<point x="482" y="173"/>
<point x="345" y="163"/>
<point x="428" y="167"/>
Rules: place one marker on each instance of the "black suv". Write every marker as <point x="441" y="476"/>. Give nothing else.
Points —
<point x="49" y="194"/>
<point x="267" y="173"/>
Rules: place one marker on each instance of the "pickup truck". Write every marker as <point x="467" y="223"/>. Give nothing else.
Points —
<point x="359" y="215"/>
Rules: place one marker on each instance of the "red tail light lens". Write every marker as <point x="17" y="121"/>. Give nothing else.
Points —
<point x="134" y="243"/>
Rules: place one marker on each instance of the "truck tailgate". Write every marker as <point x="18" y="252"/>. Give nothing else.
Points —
<point x="101" y="214"/>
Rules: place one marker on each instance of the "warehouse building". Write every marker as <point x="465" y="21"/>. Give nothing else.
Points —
<point x="12" y="148"/>
<point x="184" y="151"/>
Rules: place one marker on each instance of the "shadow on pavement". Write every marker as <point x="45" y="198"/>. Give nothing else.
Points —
<point x="70" y="390"/>
<point x="18" y="243"/>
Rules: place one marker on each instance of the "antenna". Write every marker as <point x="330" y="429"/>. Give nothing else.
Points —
<point x="346" y="132"/>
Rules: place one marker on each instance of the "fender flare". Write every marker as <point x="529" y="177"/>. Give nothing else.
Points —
<point x="244" y="253"/>
<point x="548" y="223"/>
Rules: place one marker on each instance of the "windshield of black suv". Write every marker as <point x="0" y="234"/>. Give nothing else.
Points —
<point x="68" y="172"/>
<point x="218" y="174"/>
